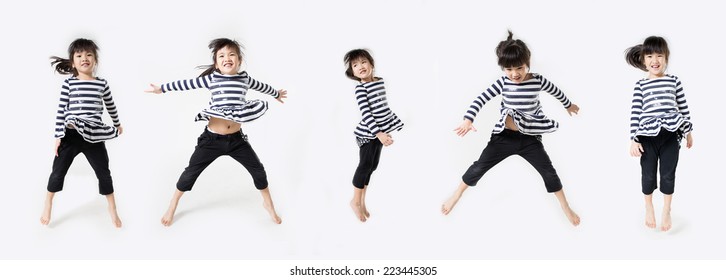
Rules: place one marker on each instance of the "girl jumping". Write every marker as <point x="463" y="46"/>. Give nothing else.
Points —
<point x="228" y="109"/>
<point x="78" y="125"/>
<point x="521" y="124"/>
<point x="373" y="131"/>
<point x="659" y="119"/>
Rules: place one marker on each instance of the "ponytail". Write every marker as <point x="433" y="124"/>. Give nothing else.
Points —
<point x="634" y="57"/>
<point x="62" y="66"/>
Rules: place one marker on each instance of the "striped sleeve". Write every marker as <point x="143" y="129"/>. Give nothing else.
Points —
<point x="681" y="99"/>
<point x="491" y="92"/>
<point x="635" y="110"/>
<point x="553" y="90"/>
<point x="60" y="128"/>
<point x="361" y="96"/>
<point x="110" y="105"/>
<point x="682" y="106"/>
<point x="195" y="83"/>
<point x="263" y="88"/>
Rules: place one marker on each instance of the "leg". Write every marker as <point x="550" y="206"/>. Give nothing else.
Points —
<point x="97" y="157"/>
<point x="206" y="151"/>
<point x="168" y="217"/>
<point x="369" y="154"/>
<point x="376" y="158"/>
<point x="269" y="206"/>
<point x="67" y="151"/>
<point x="45" y="217"/>
<point x="112" y="210"/>
<point x="363" y="202"/>
<point x="355" y="204"/>
<point x="534" y="153"/>
<point x="243" y="153"/>
<point x="649" y="211"/>
<point x="451" y="202"/>
<point x="571" y="215"/>
<point x="666" y="223"/>
<point x="648" y="165"/>
<point x="499" y="147"/>
<point x="668" y="163"/>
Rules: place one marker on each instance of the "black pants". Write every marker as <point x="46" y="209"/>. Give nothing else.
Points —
<point x="71" y="145"/>
<point x="370" y="154"/>
<point x="509" y="143"/>
<point x="210" y="146"/>
<point x="664" y="148"/>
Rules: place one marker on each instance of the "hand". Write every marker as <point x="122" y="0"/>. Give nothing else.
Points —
<point x="464" y="128"/>
<point x="385" y="138"/>
<point x="636" y="149"/>
<point x="573" y="109"/>
<point x="120" y="129"/>
<point x="282" y="94"/>
<point x="154" y="89"/>
<point x="689" y="141"/>
<point x="57" y="144"/>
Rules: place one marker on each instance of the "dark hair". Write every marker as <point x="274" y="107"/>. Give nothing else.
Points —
<point x="216" y="45"/>
<point x="65" y="66"/>
<point x="512" y="53"/>
<point x="354" y="55"/>
<point x="653" y="44"/>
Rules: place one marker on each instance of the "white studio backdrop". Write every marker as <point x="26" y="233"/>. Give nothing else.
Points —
<point x="436" y="57"/>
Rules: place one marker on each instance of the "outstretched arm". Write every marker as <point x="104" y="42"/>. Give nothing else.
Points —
<point x="182" y="85"/>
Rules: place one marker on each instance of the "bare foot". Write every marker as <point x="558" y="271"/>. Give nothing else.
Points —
<point x="365" y="210"/>
<point x="666" y="223"/>
<point x="271" y="210"/>
<point x="168" y="218"/>
<point x="45" y="217"/>
<point x="357" y="210"/>
<point x="572" y="216"/>
<point x="449" y="204"/>
<point x="114" y="217"/>
<point x="649" y="216"/>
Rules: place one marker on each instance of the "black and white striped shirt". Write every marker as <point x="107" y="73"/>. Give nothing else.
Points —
<point x="373" y="105"/>
<point x="521" y="101"/>
<point x="228" y="100"/>
<point x="82" y="103"/>
<point x="659" y="103"/>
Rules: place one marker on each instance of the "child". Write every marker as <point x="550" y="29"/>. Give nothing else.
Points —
<point x="372" y="132"/>
<point x="228" y="109"/>
<point x="659" y="119"/>
<point x="78" y="126"/>
<point x="521" y="125"/>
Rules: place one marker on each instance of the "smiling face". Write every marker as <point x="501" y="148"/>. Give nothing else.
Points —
<point x="84" y="62"/>
<point x="227" y="60"/>
<point x="655" y="64"/>
<point x="362" y="69"/>
<point x="517" y="74"/>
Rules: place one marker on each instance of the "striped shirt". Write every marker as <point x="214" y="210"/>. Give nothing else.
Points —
<point x="373" y="105"/>
<point x="228" y="100"/>
<point x="659" y="103"/>
<point x="521" y="101"/>
<point x="81" y="107"/>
